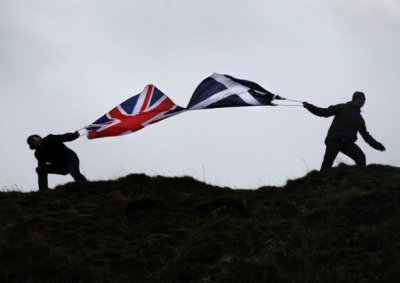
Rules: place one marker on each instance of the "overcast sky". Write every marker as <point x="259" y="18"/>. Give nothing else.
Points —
<point x="64" y="63"/>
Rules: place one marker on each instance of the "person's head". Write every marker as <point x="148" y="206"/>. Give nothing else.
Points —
<point x="358" y="99"/>
<point x="34" y="141"/>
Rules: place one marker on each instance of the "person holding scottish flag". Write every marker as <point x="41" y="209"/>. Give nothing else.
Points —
<point x="342" y="134"/>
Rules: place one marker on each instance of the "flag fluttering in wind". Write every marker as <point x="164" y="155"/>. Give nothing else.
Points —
<point x="219" y="91"/>
<point x="146" y="108"/>
<point x="151" y="105"/>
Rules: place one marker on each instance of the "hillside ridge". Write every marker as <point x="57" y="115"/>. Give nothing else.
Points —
<point x="340" y="225"/>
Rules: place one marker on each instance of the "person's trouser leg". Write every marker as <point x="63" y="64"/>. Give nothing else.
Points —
<point x="73" y="169"/>
<point x="331" y="152"/>
<point x="43" y="171"/>
<point x="354" y="152"/>
<point x="42" y="178"/>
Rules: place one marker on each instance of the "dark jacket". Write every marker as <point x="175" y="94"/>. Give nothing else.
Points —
<point x="346" y="123"/>
<point x="54" y="151"/>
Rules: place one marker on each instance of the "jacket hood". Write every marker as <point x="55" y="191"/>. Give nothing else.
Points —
<point x="355" y="107"/>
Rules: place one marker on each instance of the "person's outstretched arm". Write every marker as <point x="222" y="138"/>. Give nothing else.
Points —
<point x="67" y="137"/>
<point x="322" y="112"/>
<point x="369" y="139"/>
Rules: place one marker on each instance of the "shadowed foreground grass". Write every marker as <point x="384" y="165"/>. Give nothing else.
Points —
<point x="342" y="225"/>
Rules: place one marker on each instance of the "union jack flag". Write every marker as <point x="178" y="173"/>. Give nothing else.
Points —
<point x="148" y="107"/>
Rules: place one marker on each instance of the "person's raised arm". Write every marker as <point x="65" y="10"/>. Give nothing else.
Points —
<point x="67" y="137"/>
<point x="322" y="112"/>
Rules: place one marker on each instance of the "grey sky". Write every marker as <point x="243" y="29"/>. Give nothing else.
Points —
<point x="65" y="63"/>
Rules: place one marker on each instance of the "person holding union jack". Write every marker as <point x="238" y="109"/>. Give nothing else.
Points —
<point x="54" y="157"/>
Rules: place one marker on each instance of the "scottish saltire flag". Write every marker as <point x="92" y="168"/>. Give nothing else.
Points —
<point x="148" y="107"/>
<point x="219" y="91"/>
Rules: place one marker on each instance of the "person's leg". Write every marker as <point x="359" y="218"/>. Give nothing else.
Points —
<point x="354" y="152"/>
<point x="42" y="177"/>
<point x="331" y="152"/>
<point x="73" y="169"/>
<point x="43" y="171"/>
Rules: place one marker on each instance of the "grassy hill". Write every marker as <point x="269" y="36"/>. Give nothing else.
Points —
<point x="342" y="225"/>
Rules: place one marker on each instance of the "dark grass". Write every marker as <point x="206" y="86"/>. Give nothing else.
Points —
<point x="341" y="225"/>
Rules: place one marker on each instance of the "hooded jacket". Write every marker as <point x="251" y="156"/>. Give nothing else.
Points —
<point x="347" y="122"/>
<point x="54" y="151"/>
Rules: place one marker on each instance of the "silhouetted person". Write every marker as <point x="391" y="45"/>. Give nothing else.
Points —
<point x="342" y="134"/>
<point x="54" y="157"/>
